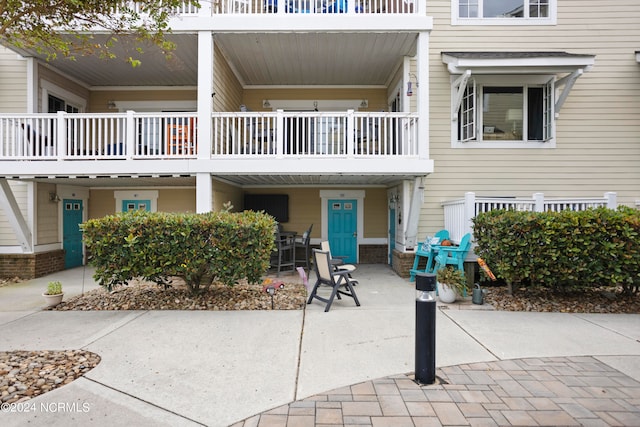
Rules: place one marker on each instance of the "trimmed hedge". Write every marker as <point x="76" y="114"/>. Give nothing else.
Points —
<point x="562" y="249"/>
<point x="199" y="248"/>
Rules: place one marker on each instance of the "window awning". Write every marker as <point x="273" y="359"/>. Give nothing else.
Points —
<point x="492" y="63"/>
<point x="516" y="62"/>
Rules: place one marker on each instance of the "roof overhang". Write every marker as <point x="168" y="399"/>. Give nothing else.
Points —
<point x="516" y="62"/>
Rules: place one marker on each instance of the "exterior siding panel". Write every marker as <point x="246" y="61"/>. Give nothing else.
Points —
<point x="597" y="129"/>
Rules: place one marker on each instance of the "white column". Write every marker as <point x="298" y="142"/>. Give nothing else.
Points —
<point x="611" y="198"/>
<point x="538" y="202"/>
<point x="204" y="193"/>
<point x="205" y="93"/>
<point x="351" y="134"/>
<point x="413" y="214"/>
<point x="469" y="214"/>
<point x="32" y="85"/>
<point x="61" y="134"/>
<point x="422" y="58"/>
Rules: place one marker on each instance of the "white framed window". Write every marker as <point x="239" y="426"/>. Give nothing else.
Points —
<point x="503" y="111"/>
<point x="503" y="12"/>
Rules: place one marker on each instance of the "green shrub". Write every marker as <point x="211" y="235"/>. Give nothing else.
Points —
<point x="562" y="249"/>
<point x="198" y="248"/>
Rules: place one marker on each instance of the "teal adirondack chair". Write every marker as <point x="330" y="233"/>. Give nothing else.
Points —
<point x="453" y="255"/>
<point x="428" y="252"/>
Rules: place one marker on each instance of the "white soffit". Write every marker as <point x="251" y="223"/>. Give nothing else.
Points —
<point x="516" y="62"/>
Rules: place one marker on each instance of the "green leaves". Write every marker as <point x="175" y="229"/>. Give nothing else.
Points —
<point x="562" y="249"/>
<point x="65" y="28"/>
<point x="199" y="248"/>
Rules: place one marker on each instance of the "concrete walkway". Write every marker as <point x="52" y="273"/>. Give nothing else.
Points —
<point x="349" y="366"/>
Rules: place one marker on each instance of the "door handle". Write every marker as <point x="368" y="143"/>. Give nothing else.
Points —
<point x="355" y="234"/>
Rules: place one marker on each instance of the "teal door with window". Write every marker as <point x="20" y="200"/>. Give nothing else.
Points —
<point x="343" y="229"/>
<point x="71" y="234"/>
<point x="136" y="205"/>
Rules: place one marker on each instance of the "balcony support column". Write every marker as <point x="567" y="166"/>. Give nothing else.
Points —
<point x="413" y="214"/>
<point x="204" y="193"/>
<point x="422" y="59"/>
<point x="205" y="94"/>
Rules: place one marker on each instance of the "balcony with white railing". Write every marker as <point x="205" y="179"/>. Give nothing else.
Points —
<point x="459" y="214"/>
<point x="289" y="7"/>
<point x="268" y="135"/>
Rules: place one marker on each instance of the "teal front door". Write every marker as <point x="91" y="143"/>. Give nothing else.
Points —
<point x="343" y="229"/>
<point x="71" y="234"/>
<point x="134" y="205"/>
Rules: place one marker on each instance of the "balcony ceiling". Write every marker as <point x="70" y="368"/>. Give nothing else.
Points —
<point x="258" y="59"/>
<point x="239" y="180"/>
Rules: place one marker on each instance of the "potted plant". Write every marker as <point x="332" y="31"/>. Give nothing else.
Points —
<point x="451" y="283"/>
<point x="54" y="293"/>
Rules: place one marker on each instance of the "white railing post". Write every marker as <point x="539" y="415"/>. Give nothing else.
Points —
<point x="351" y="7"/>
<point x="469" y="212"/>
<point x="279" y="133"/>
<point x="351" y="134"/>
<point x="538" y="202"/>
<point x="206" y="9"/>
<point x="612" y="200"/>
<point x="130" y="134"/>
<point x="61" y="134"/>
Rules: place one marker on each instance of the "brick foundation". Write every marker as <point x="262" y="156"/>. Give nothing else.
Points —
<point x="29" y="266"/>
<point x="401" y="262"/>
<point x="373" y="254"/>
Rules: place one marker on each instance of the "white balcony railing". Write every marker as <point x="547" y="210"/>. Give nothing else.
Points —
<point x="458" y="214"/>
<point x="132" y="135"/>
<point x="298" y="134"/>
<point x="97" y="136"/>
<point x="252" y="7"/>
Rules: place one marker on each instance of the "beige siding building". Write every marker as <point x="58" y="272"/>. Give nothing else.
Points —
<point x="379" y="125"/>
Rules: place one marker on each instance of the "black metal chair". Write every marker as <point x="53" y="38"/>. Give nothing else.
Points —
<point x="285" y="247"/>
<point x="303" y="247"/>
<point x="338" y="281"/>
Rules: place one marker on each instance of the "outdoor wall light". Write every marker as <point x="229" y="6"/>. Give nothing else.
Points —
<point x="409" y="84"/>
<point x="266" y="103"/>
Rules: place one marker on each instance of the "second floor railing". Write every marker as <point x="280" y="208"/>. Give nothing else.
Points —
<point x="315" y="134"/>
<point x="223" y="7"/>
<point x="136" y="135"/>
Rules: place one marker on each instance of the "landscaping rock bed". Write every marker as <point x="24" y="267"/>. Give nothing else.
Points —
<point x="27" y="374"/>
<point x="603" y="300"/>
<point x="149" y="296"/>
